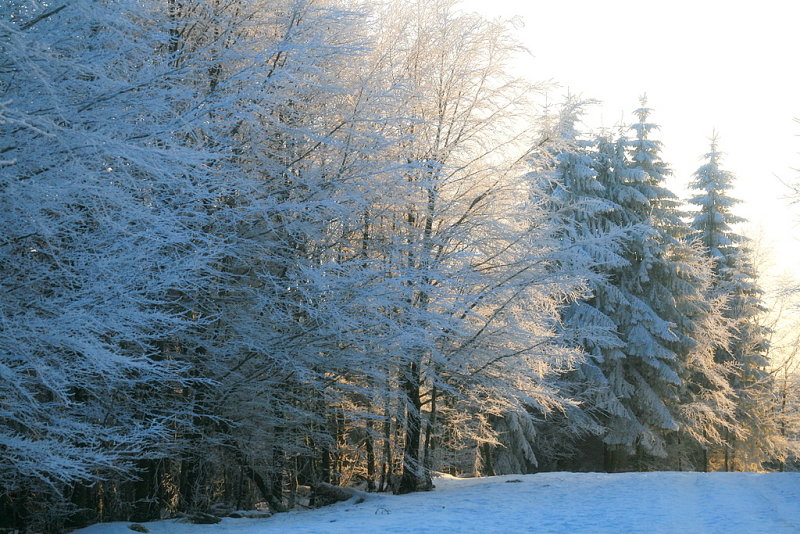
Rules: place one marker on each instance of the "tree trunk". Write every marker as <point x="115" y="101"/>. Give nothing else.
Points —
<point x="146" y="491"/>
<point x="370" y="446"/>
<point x="292" y="476"/>
<point x="411" y="479"/>
<point x="487" y="467"/>
<point x="276" y="479"/>
<point x="430" y="444"/>
<point x="190" y="474"/>
<point x="386" y="462"/>
<point x="610" y="459"/>
<point x="83" y="497"/>
<point x="325" y="465"/>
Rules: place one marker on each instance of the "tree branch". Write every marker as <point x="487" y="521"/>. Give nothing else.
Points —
<point x="41" y="17"/>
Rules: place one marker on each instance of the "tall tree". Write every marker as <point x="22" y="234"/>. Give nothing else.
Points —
<point x="635" y="373"/>
<point x="737" y="280"/>
<point x="297" y="309"/>
<point x="99" y="235"/>
<point x="581" y="220"/>
<point x="647" y="299"/>
<point x="480" y="301"/>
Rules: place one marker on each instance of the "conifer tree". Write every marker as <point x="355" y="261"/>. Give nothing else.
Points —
<point x="736" y="278"/>
<point x="611" y="205"/>
<point x="654" y="298"/>
<point x="581" y="213"/>
<point x="643" y="371"/>
<point x="668" y="339"/>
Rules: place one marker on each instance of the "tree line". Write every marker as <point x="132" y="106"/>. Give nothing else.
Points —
<point x="248" y="247"/>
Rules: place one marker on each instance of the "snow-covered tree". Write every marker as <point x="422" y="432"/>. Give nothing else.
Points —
<point x="631" y="372"/>
<point x="737" y="280"/>
<point x="672" y="319"/>
<point x="579" y="215"/>
<point x="298" y="310"/>
<point x="647" y="303"/>
<point x="785" y="367"/>
<point x="252" y="244"/>
<point x="471" y="253"/>
<point x="99" y="234"/>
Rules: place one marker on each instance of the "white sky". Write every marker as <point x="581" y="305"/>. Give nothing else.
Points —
<point x="707" y="64"/>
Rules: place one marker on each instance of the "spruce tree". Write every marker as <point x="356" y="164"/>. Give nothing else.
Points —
<point x="648" y="325"/>
<point x="566" y="186"/>
<point x="644" y="371"/>
<point x="736" y="278"/>
<point x="675" y="282"/>
<point x="656" y="300"/>
<point x="589" y="219"/>
<point x="612" y="207"/>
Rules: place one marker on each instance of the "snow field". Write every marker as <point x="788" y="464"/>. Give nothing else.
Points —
<point x="545" y="503"/>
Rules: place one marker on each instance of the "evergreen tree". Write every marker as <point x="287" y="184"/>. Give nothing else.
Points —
<point x="651" y="289"/>
<point x="580" y="212"/>
<point x="668" y="338"/>
<point x="610" y="205"/>
<point x="737" y="280"/>
<point x="676" y="285"/>
<point x="644" y="371"/>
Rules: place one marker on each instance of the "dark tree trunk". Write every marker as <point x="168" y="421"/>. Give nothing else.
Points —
<point x="190" y="475"/>
<point x="370" y="446"/>
<point x="325" y="465"/>
<point x="487" y="467"/>
<point x="83" y="498"/>
<point x="338" y="440"/>
<point x="276" y="489"/>
<point x="263" y="488"/>
<point x="292" y="483"/>
<point x="430" y="440"/>
<point x="271" y="490"/>
<point x="610" y="459"/>
<point x="386" y="461"/>
<point x="414" y="477"/>
<point x="146" y="491"/>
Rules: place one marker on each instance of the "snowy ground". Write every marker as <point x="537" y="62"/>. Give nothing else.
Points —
<point x="546" y="503"/>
